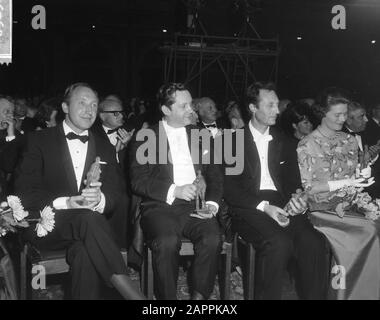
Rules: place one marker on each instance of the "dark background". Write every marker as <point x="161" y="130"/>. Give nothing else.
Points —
<point x="121" y="54"/>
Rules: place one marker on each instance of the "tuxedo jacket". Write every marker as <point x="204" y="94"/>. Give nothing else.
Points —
<point x="371" y="133"/>
<point x="46" y="171"/>
<point x="152" y="180"/>
<point x="98" y="129"/>
<point x="242" y="192"/>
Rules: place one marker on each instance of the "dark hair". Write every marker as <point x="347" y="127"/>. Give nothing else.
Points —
<point x="330" y="97"/>
<point x="353" y="105"/>
<point x="253" y="91"/>
<point x="45" y="110"/>
<point x="70" y="89"/>
<point x="295" y="113"/>
<point x="166" y="93"/>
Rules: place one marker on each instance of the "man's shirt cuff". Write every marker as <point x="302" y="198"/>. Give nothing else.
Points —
<point x="170" y="196"/>
<point x="261" y="205"/>
<point x="60" y="203"/>
<point x="9" y="138"/>
<point x="214" y="204"/>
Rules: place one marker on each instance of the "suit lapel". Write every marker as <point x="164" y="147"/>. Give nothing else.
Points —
<point x="252" y="155"/>
<point x="274" y="154"/>
<point x="162" y="145"/>
<point x="66" y="160"/>
<point x="90" y="156"/>
<point x="194" y="144"/>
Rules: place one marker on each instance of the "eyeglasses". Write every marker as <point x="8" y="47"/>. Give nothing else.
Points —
<point x="115" y="113"/>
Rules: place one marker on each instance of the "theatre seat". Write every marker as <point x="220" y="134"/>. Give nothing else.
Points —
<point x="54" y="262"/>
<point x="187" y="249"/>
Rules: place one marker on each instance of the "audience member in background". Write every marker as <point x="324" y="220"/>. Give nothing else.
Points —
<point x="297" y="122"/>
<point x="11" y="142"/>
<point x="49" y="113"/>
<point x="208" y="115"/>
<point x="234" y="115"/>
<point x="356" y="124"/>
<point x="24" y="115"/>
<point x="111" y="129"/>
<point x="371" y="132"/>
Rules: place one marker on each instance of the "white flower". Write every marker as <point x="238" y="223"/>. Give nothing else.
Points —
<point x="46" y="223"/>
<point x="18" y="210"/>
<point x="3" y="205"/>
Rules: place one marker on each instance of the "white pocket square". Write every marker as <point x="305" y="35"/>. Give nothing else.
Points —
<point x="205" y="152"/>
<point x="282" y="162"/>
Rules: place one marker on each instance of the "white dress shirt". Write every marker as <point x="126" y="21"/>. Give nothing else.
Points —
<point x="78" y="153"/>
<point x="111" y="137"/>
<point x="262" y="142"/>
<point x="213" y="130"/>
<point x="183" y="167"/>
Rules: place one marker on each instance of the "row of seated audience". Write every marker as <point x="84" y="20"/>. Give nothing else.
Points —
<point x="44" y="160"/>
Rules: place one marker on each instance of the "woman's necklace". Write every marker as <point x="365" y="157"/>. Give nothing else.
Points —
<point x="327" y="137"/>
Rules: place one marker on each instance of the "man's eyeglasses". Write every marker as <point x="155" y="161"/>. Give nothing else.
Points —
<point x="115" y="113"/>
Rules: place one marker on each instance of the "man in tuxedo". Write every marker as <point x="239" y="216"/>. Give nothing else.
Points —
<point x="110" y="128"/>
<point x="371" y="132"/>
<point x="256" y="198"/>
<point x="208" y="114"/>
<point x="11" y="142"/>
<point x="168" y="191"/>
<point x="53" y="172"/>
<point x="356" y="124"/>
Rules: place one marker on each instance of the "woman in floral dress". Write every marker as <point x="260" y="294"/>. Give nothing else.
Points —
<point x="328" y="160"/>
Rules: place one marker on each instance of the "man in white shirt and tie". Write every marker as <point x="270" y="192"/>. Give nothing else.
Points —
<point x="169" y="192"/>
<point x="53" y="172"/>
<point x="257" y="197"/>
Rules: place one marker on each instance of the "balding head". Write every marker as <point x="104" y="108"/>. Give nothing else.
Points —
<point x="207" y="110"/>
<point x="111" y="112"/>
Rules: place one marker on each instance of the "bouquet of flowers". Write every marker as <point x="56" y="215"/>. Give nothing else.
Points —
<point x="13" y="216"/>
<point x="348" y="198"/>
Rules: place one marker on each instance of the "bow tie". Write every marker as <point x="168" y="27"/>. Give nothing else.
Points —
<point x="211" y="125"/>
<point x="73" y="136"/>
<point x="266" y="137"/>
<point x="111" y="131"/>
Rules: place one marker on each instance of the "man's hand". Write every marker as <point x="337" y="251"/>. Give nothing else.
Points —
<point x="92" y="194"/>
<point x="277" y="214"/>
<point x="11" y="125"/>
<point x="209" y="213"/>
<point x="123" y="137"/>
<point x="374" y="151"/>
<point x="297" y="204"/>
<point x="186" y="192"/>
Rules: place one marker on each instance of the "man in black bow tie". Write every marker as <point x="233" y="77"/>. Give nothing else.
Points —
<point x="52" y="172"/>
<point x="111" y="115"/>
<point x="356" y="125"/>
<point x="208" y="114"/>
<point x="110" y="127"/>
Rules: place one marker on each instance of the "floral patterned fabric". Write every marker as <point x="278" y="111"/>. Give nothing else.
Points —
<point x="323" y="159"/>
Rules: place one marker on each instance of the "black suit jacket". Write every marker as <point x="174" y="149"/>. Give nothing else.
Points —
<point x="371" y="133"/>
<point x="153" y="180"/>
<point x="242" y="191"/>
<point x="46" y="171"/>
